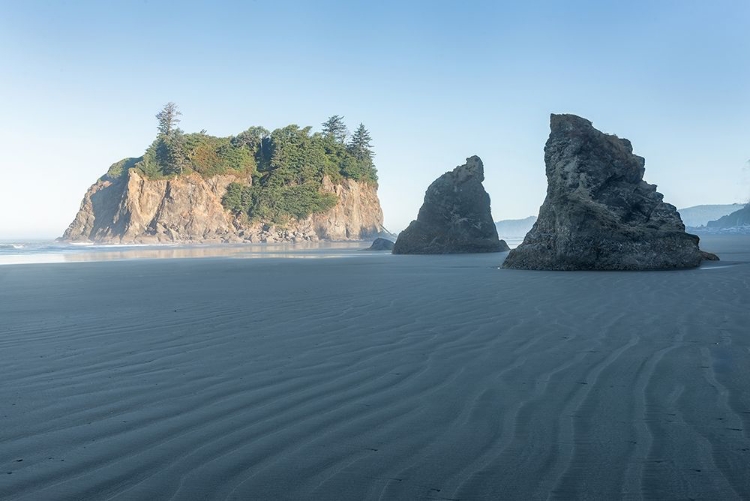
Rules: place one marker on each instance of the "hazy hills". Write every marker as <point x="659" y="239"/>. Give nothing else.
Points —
<point x="700" y="215"/>
<point x="693" y="217"/>
<point x="737" y="219"/>
<point x="514" y="227"/>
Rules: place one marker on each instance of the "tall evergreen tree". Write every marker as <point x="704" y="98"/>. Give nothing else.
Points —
<point x="335" y="128"/>
<point x="168" y="119"/>
<point x="170" y="150"/>
<point x="359" y="145"/>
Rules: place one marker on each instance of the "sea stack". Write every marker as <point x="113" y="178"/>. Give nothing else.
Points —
<point x="599" y="213"/>
<point x="288" y="185"/>
<point x="455" y="216"/>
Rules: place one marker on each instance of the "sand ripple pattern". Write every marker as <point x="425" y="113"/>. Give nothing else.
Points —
<point x="374" y="377"/>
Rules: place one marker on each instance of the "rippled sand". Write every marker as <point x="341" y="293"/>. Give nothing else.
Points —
<point x="372" y="376"/>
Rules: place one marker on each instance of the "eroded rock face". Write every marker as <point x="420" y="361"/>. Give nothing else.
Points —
<point x="599" y="213"/>
<point x="455" y="216"/>
<point x="133" y="209"/>
<point x="357" y="216"/>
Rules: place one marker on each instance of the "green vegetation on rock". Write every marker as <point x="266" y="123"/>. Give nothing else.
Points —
<point x="287" y="166"/>
<point x="277" y="203"/>
<point x="118" y="169"/>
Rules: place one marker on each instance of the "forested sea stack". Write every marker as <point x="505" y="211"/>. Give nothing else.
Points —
<point x="599" y="213"/>
<point x="455" y="216"/>
<point x="257" y="186"/>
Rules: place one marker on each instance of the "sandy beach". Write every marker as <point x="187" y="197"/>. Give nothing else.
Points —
<point x="374" y="376"/>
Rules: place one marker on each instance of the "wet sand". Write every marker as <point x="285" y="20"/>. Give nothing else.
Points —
<point x="374" y="376"/>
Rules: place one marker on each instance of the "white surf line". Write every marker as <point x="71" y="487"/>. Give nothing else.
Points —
<point x="717" y="267"/>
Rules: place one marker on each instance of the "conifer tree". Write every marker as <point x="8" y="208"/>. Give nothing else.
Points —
<point x="335" y="128"/>
<point x="170" y="150"/>
<point x="168" y="118"/>
<point x="359" y="145"/>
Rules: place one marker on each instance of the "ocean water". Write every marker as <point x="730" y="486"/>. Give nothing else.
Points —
<point x="50" y="251"/>
<point x="512" y="242"/>
<point x="33" y="252"/>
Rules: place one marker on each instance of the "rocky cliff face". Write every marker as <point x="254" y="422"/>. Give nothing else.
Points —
<point x="455" y="216"/>
<point x="357" y="216"/>
<point x="599" y="213"/>
<point x="133" y="209"/>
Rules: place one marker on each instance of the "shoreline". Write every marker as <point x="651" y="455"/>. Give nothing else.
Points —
<point x="45" y="252"/>
<point x="55" y="252"/>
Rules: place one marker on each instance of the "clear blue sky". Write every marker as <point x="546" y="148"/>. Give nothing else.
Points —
<point x="433" y="81"/>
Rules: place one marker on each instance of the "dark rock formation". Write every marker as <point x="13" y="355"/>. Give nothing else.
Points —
<point x="381" y="244"/>
<point x="599" y="213"/>
<point x="455" y="216"/>
<point x="707" y="256"/>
